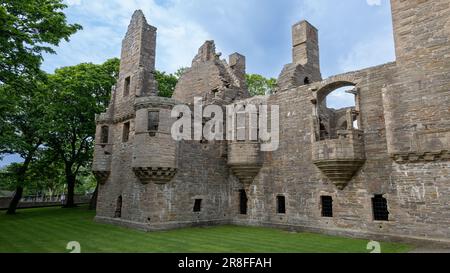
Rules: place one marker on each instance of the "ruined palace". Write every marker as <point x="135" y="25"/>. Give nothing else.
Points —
<point x="380" y="169"/>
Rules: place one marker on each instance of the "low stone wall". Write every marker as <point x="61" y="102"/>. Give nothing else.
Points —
<point x="79" y="199"/>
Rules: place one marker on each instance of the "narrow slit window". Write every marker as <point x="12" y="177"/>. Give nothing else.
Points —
<point x="243" y="202"/>
<point x="380" y="208"/>
<point x="198" y="205"/>
<point x="153" y="121"/>
<point x="126" y="89"/>
<point x="327" y="206"/>
<point x="126" y="132"/>
<point x="281" y="204"/>
<point x="118" y="212"/>
<point x="104" y="138"/>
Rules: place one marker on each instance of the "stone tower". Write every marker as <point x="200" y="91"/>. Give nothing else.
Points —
<point x="305" y="51"/>
<point x="305" y="66"/>
<point x="422" y="44"/>
<point x="137" y="64"/>
<point x="134" y="148"/>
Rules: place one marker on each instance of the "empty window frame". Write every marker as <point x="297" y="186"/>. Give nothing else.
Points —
<point x="153" y="121"/>
<point x="126" y="87"/>
<point x="126" y="132"/>
<point x="243" y="202"/>
<point x="281" y="204"/>
<point x="104" y="135"/>
<point x="198" y="205"/>
<point x="118" y="211"/>
<point x="327" y="206"/>
<point x="380" y="208"/>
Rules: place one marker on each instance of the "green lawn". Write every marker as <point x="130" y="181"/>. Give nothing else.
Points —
<point x="50" y="229"/>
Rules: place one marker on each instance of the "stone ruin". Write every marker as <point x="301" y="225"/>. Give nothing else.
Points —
<point x="380" y="169"/>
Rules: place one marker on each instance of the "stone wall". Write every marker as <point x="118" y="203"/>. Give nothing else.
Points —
<point x="400" y="150"/>
<point x="5" y="201"/>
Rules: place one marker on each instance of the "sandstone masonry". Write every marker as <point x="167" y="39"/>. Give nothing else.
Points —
<point x="380" y="169"/>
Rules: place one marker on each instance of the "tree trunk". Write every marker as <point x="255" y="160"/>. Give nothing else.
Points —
<point x="70" y="179"/>
<point x="15" y="201"/>
<point x="20" y="182"/>
<point x="93" y="202"/>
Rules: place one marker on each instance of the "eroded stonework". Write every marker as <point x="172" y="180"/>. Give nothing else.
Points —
<point x="385" y="162"/>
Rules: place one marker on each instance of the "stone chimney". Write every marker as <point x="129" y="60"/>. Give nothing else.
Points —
<point x="305" y="42"/>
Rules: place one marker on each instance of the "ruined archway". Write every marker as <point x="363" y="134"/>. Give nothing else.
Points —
<point x="336" y="109"/>
<point x="338" y="146"/>
<point x="328" y="88"/>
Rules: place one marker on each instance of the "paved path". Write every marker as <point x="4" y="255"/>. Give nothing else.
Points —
<point x="429" y="250"/>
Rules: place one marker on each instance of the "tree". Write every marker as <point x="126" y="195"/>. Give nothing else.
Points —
<point x="22" y="121"/>
<point x="166" y="83"/>
<point x="27" y="30"/>
<point x="8" y="180"/>
<point x="78" y="94"/>
<point x="44" y="177"/>
<point x="259" y="85"/>
<point x="180" y="72"/>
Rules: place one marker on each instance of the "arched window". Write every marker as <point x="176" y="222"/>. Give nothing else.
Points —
<point x="306" y="81"/>
<point x="104" y="136"/>
<point x="337" y="110"/>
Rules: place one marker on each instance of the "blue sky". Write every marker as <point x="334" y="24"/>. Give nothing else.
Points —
<point x="353" y="34"/>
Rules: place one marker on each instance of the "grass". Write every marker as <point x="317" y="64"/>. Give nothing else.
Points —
<point x="50" y="229"/>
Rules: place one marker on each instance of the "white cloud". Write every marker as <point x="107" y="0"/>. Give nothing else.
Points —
<point x="374" y="2"/>
<point x="105" y="23"/>
<point x="183" y="26"/>
<point x="368" y="53"/>
<point x="73" y="2"/>
<point x="340" y="99"/>
<point x="92" y="44"/>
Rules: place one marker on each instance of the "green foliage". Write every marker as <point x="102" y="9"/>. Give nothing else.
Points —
<point x="86" y="182"/>
<point x="27" y="30"/>
<point x="78" y="93"/>
<point x="8" y="177"/>
<point x="259" y="85"/>
<point x="180" y="72"/>
<point x="23" y="124"/>
<point x="166" y="83"/>
<point x="22" y="109"/>
<point x="45" y="177"/>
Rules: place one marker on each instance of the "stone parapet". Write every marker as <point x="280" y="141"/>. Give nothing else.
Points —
<point x="339" y="159"/>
